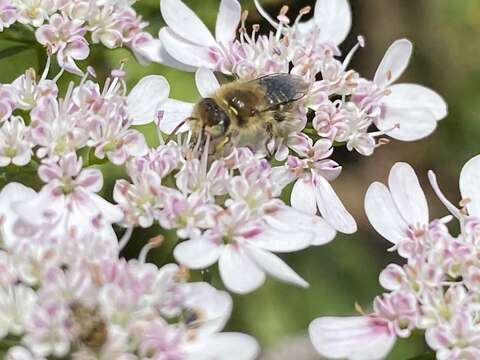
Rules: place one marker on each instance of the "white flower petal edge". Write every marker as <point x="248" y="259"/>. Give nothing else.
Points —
<point x="354" y="338"/>
<point x="174" y="113"/>
<point x="197" y="253"/>
<point x="238" y="271"/>
<point x="227" y="21"/>
<point x="383" y="214"/>
<point x="230" y="345"/>
<point x="11" y="194"/>
<point x="206" y="82"/>
<point x="407" y="194"/>
<point x="141" y="108"/>
<point x="192" y="55"/>
<point x="469" y="188"/>
<point x="394" y="63"/>
<point x="334" y="18"/>
<point x="332" y="208"/>
<point x="275" y="266"/>
<point x="176" y="14"/>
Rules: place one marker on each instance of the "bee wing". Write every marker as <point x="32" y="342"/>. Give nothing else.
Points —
<point x="281" y="89"/>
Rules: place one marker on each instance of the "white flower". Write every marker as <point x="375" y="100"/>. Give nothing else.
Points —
<point x="11" y="194"/>
<point x="188" y="40"/>
<point x="241" y="248"/>
<point x="16" y="302"/>
<point x="400" y="212"/>
<point x="414" y="108"/>
<point x="15" y="146"/>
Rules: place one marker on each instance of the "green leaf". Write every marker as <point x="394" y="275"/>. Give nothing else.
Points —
<point x="426" y="356"/>
<point x="14" y="50"/>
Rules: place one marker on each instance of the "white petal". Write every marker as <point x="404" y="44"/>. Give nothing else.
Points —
<point x="239" y="273"/>
<point x="175" y="112"/>
<point x="394" y="63"/>
<point x="285" y="240"/>
<point x="413" y="96"/>
<point x="303" y="196"/>
<point x="469" y="185"/>
<point x="155" y="51"/>
<point x="383" y="214"/>
<point x="185" y="23"/>
<point x="145" y="97"/>
<point x="111" y="212"/>
<point x="407" y="124"/>
<point x="227" y="21"/>
<point x="354" y="338"/>
<point x="291" y="228"/>
<point x="232" y="346"/>
<point x="275" y="266"/>
<point x="185" y="52"/>
<point x="197" y="253"/>
<point x="215" y="306"/>
<point x="334" y="18"/>
<point x="332" y="209"/>
<point x="206" y="82"/>
<point x="11" y="194"/>
<point x="407" y="194"/>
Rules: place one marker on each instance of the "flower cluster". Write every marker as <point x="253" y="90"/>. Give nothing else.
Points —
<point x="65" y="290"/>
<point x="435" y="291"/>
<point x="345" y="104"/>
<point x="63" y="26"/>
<point x="78" y="299"/>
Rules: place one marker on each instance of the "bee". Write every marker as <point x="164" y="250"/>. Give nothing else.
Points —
<point x="89" y="328"/>
<point x="249" y="112"/>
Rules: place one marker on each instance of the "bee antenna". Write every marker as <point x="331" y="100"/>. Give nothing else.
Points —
<point x="175" y="130"/>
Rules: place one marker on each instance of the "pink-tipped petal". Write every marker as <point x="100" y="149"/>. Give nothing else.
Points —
<point x="353" y="338"/>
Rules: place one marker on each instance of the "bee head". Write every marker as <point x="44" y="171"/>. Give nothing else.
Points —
<point x="215" y="119"/>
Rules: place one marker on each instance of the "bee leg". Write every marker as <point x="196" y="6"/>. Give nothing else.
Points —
<point x="269" y="130"/>
<point x="221" y="145"/>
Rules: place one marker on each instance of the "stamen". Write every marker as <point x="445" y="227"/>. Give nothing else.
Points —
<point x="360" y="43"/>
<point x="47" y="69"/>
<point x="450" y="207"/>
<point x="152" y="243"/>
<point x="125" y="238"/>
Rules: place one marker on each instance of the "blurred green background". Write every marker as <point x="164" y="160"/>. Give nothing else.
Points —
<point x="445" y="34"/>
